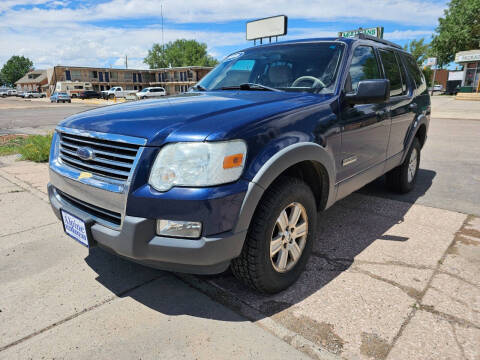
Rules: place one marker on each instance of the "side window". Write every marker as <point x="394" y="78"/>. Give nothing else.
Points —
<point x="402" y="71"/>
<point x="415" y="73"/>
<point x="364" y="66"/>
<point x="392" y="72"/>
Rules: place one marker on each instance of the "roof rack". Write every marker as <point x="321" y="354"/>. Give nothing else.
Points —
<point x="374" y="38"/>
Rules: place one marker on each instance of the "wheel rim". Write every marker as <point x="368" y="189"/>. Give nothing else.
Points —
<point x="412" y="165"/>
<point x="289" y="237"/>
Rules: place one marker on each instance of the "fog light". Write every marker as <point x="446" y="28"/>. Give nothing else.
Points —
<point x="183" y="229"/>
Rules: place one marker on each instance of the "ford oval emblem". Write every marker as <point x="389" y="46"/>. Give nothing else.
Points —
<point x="85" y="153"/>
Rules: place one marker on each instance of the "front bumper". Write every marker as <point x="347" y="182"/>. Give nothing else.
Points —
<point x="137" y="241"/>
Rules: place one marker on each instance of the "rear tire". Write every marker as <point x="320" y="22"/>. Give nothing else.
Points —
<point x="402" y="179"/>
<point x="260" y="264"/>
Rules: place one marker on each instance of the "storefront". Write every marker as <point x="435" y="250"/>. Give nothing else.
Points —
<point x="470" y="60"/>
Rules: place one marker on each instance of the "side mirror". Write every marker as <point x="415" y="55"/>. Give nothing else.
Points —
<point x="370" y="92"/>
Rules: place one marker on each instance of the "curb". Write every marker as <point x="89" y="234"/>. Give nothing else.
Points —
<point x="228" y="300"/>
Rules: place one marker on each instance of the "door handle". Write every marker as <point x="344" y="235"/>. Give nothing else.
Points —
<point x="413" y="106"/>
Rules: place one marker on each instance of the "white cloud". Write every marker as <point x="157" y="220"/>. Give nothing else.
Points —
<point x="94" y="46"/>
<point x="408" y="34"/>
<point x="56" y="33"/>
<point x="416" y="12"/>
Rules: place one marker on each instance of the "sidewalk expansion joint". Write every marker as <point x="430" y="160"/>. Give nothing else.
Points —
<point x="73" y="316"/>
<point x="419" y="306"/>
<point x="16" y="181"/>
<point x="29" y="229"/>
<point x="239" y="306"/>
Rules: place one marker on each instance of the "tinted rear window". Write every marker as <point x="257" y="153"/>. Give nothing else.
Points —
<point x="415" y="72"/>
<point x="392" y="72"/>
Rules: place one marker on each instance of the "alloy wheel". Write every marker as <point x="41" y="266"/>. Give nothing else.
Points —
<point x="289" y="237"/>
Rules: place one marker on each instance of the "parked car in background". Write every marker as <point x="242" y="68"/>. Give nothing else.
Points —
<point x="20" y="93"/>
<point x="33" y="94"/>
<point x="437" y="87"/>
<point x="89" y="94"/>
<point x="60" y="97"/>
<point x="12" y="92"/>
<point x="118" y="92"/>
<point x="4" y="92"/>
<point x="73" y="88"/>
<point x="453" y="87"/>
<point x="151" y="92"/>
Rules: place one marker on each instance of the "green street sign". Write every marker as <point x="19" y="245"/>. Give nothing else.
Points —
<point x="376" y="31"/>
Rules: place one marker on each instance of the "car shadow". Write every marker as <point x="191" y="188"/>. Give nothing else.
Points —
<point x="344" y="231"/>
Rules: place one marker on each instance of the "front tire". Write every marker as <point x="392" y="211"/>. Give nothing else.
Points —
<point x="402" y="179"/>
<point x="280" y="237"/>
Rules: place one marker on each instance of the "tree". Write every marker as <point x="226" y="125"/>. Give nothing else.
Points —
<point x="418" y="49"/>
<point x="179" y="53"/>
<point x="459" y="30"/>
<point x="15" y="68"/>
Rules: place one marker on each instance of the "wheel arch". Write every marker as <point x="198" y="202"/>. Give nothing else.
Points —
<point x="308" y="161"/>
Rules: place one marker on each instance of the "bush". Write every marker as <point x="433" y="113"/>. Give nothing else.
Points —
<point x="34" y="148"/>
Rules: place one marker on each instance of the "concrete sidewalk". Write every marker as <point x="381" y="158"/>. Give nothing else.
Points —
<point x="60" y="301"/>
<point x="388" y="280"/>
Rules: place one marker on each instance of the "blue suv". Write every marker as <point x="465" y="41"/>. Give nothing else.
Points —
<point x="235" y="171"/>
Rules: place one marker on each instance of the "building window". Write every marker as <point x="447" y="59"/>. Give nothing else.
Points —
<point x="67" y="75"/>
<point x="114" y="75"/>
<point x="107" y="77"/>
<point x="93" y="74"/>
<point x="76" y="75"/>
<point x="100" y="76"/>
<point x="139" y="77"/>
<point x="149" y="77"/>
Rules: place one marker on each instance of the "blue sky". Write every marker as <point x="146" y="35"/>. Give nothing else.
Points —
<point x="101" y="33"/>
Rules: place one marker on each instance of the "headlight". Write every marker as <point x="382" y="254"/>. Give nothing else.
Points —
<point x="198" y="164"/>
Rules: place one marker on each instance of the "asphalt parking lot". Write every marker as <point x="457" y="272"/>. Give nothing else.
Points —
<point x="391" y="277"/>
<point x="35" y="116"/>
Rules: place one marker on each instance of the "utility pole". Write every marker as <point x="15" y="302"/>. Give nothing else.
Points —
<point x="126" y="62"/>
<point x="161" y="14"/>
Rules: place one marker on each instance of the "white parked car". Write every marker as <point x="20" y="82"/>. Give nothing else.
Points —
<point x="12" y="92"/>
<point x="118" y="92"/>
<point x="33" y="94"/>
<point x="151" y="92"/>
<point x="437" y="87"/>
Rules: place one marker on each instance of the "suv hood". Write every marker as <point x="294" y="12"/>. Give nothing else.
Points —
<point x="187" y="117"/>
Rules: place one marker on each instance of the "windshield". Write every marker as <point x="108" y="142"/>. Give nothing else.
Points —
<point x="144" y="90"/>
<point x="305" y="67"/>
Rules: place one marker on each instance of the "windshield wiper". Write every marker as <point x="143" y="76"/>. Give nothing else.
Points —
<point x="250" y="86"/>
<point x="198" y="87"/>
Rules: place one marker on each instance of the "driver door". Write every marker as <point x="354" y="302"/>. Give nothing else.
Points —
<point x="364" y="127"/>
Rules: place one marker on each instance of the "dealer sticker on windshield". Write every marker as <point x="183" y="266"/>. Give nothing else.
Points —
<point x="75" y="227"/>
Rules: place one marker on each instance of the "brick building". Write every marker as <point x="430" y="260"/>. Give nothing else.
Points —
<point x="175" y="80"/>
<point x="35" y="80"/>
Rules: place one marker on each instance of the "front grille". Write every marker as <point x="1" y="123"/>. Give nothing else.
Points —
<point x="96" y="212"/>
<point x="112" y="159"/>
